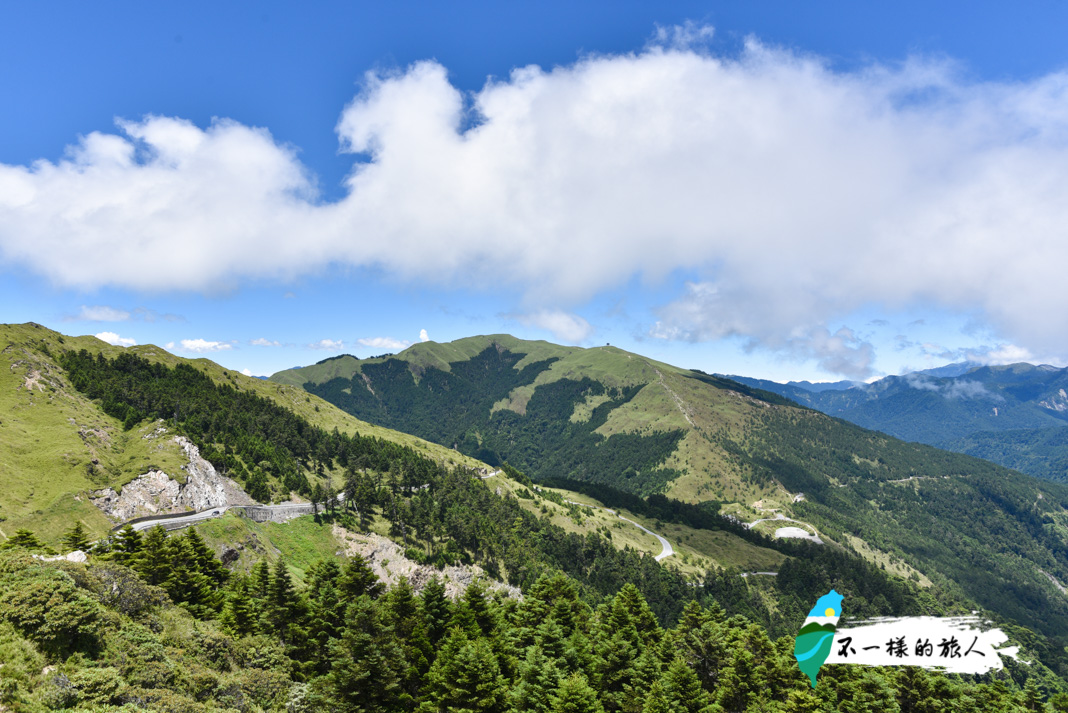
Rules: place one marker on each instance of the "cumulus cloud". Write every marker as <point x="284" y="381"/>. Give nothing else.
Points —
<point x="797" y="192"/>
<point x="202" y="346"/>
<point x="704" y="313"/>
<point x="333" y="345"/>
<point x="246" y="371"/>
<point x="423" y="336"/>
<point x="384" y="343"/>
<point x="100" y="313"/>
<point x="565" y="326"/>
<point x="952" y="388"/>
<point x="112" y="338"/>
<point x="261" y="342"/>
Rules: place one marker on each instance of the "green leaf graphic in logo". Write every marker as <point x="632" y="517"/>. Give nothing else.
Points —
<point x="813" y="643"/>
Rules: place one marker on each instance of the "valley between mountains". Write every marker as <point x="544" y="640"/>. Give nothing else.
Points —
<point x="506" y="462"/>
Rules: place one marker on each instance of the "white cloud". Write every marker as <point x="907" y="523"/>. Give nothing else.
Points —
<point x="246" y="371"/>
<point x="112" y="338"/>
<point x="332" y="345"/>
<point x="384" y="343"/>
<point x="261" y="342"/>
<point x="798" y="193"/>
<point x="101" y="313"/>
<point x="956" y="389"/>
<point x="202" y="346"/>
<point x="423" y="336"/>
<point x="703" y="313"/>
<point x="565" y="327"/>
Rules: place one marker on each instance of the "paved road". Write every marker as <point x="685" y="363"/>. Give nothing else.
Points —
<point x="814" y="536"/>
<point x="666" y="551"/>
<point x="175" y="523"/>
<point x="184" y="521"/>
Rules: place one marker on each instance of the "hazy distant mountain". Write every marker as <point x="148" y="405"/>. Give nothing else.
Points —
<point x="821" y="385"/>
<point x="1012" y="415"/>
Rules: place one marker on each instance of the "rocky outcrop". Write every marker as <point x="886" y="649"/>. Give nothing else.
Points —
<point x="387" y="560"/>
<point x="156" y="493"/>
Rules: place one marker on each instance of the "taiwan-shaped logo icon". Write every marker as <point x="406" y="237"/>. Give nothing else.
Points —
<point x="813" y="643"/>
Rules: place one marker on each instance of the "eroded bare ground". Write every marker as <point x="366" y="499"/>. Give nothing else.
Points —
<point x="388" y="562"/>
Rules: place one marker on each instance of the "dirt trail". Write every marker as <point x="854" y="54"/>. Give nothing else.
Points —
<point x="675" y="397"/>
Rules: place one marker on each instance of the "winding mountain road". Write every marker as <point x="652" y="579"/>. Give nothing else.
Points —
<point x="666" y="549"/>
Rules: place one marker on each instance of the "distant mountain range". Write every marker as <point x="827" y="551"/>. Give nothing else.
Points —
<point x="615" y="420"/>
<point x="1015" y="415"/>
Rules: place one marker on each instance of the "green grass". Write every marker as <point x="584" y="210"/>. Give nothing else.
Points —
<point x="50" y="434"/>
<point x="696" y="550"/>
<point x="707" y="471"/>
<point x="300" y="543"/>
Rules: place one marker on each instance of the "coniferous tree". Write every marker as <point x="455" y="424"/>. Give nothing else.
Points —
<point x="153" y="561"/>
<point x="576" y="696"/>
<point x="283" y="611"/>
<point x="357" y="578"/>
<point x="260" y="587"/>
<point x="656" y="700"/>
<point x="683" y="691"/>
<point x="474" y="612"/>
<point x="539" y="679"/>
<point x="465" y="677"/>
<point x="437" y="609"/>
<point x="75" y="538"/>
<point x="22" y="538"/>
<point x="204" y="559"/>
<point x="406" y="618"/>
<point x="127" y="546"/>
<point x="185" y="583"/>
<point x="613" y="668"/>
<point x="367" y="663"/>
<point x="238" y="615"/>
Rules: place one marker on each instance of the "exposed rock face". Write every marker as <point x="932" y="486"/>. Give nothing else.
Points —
<point x="156" y="493"/>
<point x="386" y="559"/>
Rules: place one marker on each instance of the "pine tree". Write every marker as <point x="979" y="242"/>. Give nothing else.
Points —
<point x="647" y="671"/>
<point x="238" y="617"/>
<point x="465" y="677"/>
<point x="406" y="618"/>
<point x="1032" y="696"/>
<point x="185" y="583"/>
<point x="576" y="696"/>
<point x="656" y="700"/>
<point x="357" y="579"/>
<point x="368" y="663"/>
<point x="474" y="612"/>
<point x="204" y="559"/>
<point x="437" y="609"/>
<point x="539" y="679"/>
<point x="76" y="539"/>
<point x="682" y="689"/>
<point x="127" y="547"/>
<point x="24" y="539"/>
<point x="613" y="668"/>
<point x="283" y="605"/>
<point x="261" y="580"/>
<point x="154" y="560"/>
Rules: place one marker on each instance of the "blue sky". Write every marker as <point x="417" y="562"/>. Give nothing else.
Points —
<point x="776" y="189"/>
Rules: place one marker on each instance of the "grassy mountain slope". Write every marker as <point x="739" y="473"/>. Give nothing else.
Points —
<point x="606" y="416"/>
<point x="50" y="428"/>
<point x="56" y="444"/>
